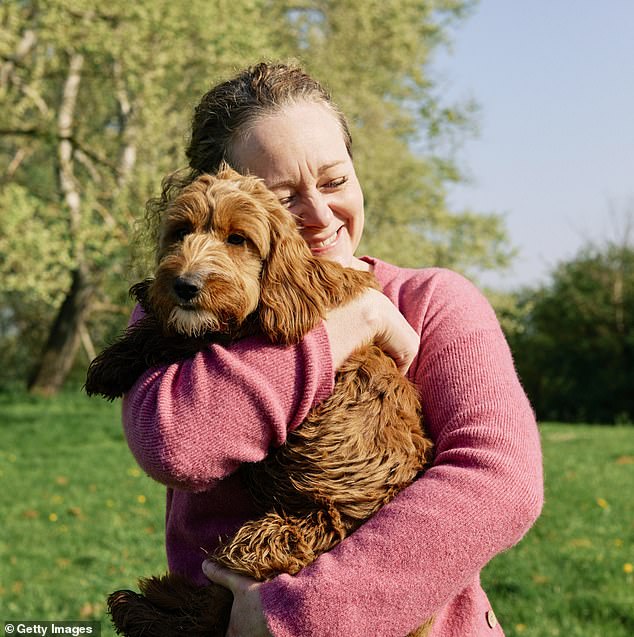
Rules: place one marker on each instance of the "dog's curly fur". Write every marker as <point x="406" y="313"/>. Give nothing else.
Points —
<point x="232" y="263"/>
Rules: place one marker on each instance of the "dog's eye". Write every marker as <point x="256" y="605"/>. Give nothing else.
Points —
<point x="235" y="239"/>
<point x="180" y="233"/>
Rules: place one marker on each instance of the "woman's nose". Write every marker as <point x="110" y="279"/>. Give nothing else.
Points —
<point x="316" y="211"/>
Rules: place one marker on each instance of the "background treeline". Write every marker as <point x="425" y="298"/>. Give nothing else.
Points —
<point x="95" y="102"/>
<point x="573" y="338"/>
<point x="95" y="106"/>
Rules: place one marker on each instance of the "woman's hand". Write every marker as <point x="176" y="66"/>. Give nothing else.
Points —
<point x="247" y="616"/>
<point x="371" y="317"/>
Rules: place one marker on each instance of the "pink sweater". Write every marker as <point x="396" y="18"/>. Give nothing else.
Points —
<point x="190" y="425"/>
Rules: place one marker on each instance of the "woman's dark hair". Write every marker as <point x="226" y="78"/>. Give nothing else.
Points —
<point x="226" y="112"/>
<point x="228" y="109"/>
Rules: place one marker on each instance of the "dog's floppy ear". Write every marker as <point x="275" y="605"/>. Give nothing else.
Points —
<point x="298" y="289"/>
<point x="140" y="292"/>
<point x="115" y="370"/>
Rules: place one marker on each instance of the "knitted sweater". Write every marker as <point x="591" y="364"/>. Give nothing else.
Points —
<point x="190" y="425"/>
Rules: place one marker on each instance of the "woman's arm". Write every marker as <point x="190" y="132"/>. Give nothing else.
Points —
<point x="481" y="495"/>
<point x="193" y="423"/>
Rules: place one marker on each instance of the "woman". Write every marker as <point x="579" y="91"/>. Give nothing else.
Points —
<point x="190" y="425"/>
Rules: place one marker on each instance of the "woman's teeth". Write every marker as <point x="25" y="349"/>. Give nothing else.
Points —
<point x="326" y="242"/>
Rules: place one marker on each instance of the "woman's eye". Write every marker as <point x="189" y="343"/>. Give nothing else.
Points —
<point x="235" y="239"/>
<point x="287" y="201"/>
<point x="336" y="183"/>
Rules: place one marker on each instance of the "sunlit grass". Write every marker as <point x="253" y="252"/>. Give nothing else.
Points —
<point x="80" y="519"/>
<point x="572" y="575"/>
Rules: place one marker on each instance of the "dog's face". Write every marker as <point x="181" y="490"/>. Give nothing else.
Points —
<point x="215" y="238"/>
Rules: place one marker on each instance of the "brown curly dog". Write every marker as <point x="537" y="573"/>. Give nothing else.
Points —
<point x="232" y="263"/>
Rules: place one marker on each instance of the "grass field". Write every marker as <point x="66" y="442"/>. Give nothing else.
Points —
<point x="80" y="520"/>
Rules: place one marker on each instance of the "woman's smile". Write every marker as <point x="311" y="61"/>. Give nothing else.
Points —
<point x="318" y="245"/>
<point x="300" y="153"/>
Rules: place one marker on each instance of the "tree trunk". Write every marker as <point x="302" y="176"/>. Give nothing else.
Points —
<point x="64" y="338"/>
<point x="65" y="335"/>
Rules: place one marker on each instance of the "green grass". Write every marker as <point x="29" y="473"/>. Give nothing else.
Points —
<point x="80" y="520"/>
<point x="571" y="575"/>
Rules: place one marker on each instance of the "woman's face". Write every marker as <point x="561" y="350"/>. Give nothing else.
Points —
<point x="301" y="155"/>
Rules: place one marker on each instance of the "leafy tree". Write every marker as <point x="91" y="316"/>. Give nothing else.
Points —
<point x="95" y="107"/>
<point x="574" y="340"/>
<point x="93" y="103"/>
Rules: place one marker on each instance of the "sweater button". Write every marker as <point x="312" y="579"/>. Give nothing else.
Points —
<point x="492" y="620"/>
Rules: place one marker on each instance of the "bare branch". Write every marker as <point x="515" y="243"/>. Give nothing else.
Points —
<point x="65" y="121"/>
<point x="31" y="93"/>
<point x="58" y="138"/>
<point x="111" y="223"/>
<point x="93" y="155"/>
<point x="110" y="308"/>
<point x="621" y="223"/>
<point x="128" y="153"/>
<point x="24" y="47"/>
<point x="18" y="158"/>
<point x="30" y="132"/>
<point x="86" y="341"/>
<point x="7" y="70"/>
<point x="88" y="164"/>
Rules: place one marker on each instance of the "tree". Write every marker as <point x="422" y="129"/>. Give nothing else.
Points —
<point x="574" y="345"/>
<point x="91" y="119"/>
<point x="96" y="102"/>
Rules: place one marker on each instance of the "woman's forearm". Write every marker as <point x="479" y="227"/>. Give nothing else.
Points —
<point x="193" y="423"/>
<point x="481" y="495"/>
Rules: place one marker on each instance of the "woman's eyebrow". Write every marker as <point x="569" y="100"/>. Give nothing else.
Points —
<point x="283" y="183"/>
<point x="332" y="164"/>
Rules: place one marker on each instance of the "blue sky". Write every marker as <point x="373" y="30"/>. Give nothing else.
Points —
<point x="555" y="152"/>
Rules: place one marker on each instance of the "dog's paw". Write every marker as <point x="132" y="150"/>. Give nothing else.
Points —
<point x="169" y="606"/>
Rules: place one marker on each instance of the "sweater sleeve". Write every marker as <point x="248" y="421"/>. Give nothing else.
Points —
<point x="481" y="495"/>
<point x="193" y="423"/>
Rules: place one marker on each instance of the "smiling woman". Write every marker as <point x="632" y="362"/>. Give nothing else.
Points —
<point x="192" y="424"/>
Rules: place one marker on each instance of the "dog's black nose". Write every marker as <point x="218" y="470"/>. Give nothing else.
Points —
<point x="186" y="288"/>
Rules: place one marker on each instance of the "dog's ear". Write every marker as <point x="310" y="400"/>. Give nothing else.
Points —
<point x="115" y="370"/>
<point x="140" y="293"/>
<point x="298" y="289"/>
